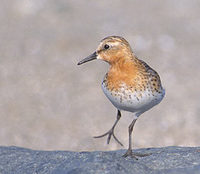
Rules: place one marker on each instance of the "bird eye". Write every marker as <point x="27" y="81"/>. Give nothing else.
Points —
<point x="106" y="46"/>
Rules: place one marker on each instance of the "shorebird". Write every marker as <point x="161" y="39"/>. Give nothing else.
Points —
<point x="130" y="84"/>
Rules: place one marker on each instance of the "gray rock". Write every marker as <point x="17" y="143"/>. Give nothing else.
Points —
<point x="173" y="160"/>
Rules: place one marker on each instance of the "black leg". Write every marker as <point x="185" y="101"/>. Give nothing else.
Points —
<point x="110" y="133"/>
<point x="130" y="130"/>
<point x="129" y="152"/>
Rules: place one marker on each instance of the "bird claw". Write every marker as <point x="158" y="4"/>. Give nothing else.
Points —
<point x="110" y="133"/>
<point x="134" y="155"/>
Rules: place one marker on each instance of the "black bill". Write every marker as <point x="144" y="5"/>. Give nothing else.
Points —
<point x="89" y="58"/>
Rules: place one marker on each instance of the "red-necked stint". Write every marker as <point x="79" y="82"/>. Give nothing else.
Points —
<point x="130" y="84"/>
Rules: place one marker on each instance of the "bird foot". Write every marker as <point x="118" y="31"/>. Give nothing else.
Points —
<point x="110" y="133"/>
<point x="134" y="155"/>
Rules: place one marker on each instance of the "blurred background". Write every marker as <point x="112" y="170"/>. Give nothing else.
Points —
<point x="47" y="102"/>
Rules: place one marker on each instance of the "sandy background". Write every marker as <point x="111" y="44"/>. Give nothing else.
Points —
<point x="48" y="102"/>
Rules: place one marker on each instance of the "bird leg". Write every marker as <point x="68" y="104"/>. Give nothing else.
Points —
<point x="129" y="152"/>
<point x="110" y="133"/>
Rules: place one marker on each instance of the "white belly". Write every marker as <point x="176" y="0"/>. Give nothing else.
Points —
<point x="137" y="102"/>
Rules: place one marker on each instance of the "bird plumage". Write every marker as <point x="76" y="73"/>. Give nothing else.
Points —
<point x="130" y="84"/>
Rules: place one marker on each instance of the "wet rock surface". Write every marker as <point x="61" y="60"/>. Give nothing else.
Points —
<point x="162" y="160"/>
